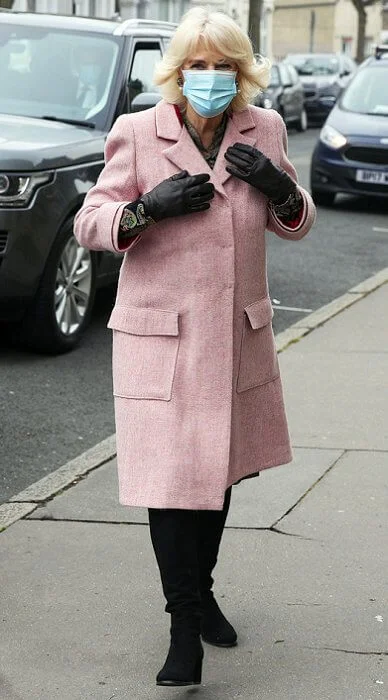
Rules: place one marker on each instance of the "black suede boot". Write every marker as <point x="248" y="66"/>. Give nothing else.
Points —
<point x="174" y="538"/>
<point x="215" y="628"/>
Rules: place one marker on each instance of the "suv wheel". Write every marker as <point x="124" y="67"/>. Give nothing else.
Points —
<point x="301" y="124"/>
<point x="62" y="306"/>
<point x="324" y="199"/>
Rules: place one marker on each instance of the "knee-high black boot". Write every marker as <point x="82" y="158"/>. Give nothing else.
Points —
<point x="215" y="628"/>
<point x="174" y="538"/>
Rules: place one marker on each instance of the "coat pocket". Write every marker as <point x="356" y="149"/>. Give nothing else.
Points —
<point x="145" y="350"/>
<point x="258" y="357"/>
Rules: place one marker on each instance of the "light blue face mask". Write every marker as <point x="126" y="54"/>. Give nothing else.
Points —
<point x="209" y="92"/>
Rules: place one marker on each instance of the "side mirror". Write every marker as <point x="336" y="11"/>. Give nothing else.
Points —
<point x="145" y="100"/>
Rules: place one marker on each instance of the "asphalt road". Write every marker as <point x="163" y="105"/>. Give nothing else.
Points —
<point x="54" y="408"/>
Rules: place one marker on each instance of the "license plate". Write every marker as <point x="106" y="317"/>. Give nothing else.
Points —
<point x="373" y="176"/>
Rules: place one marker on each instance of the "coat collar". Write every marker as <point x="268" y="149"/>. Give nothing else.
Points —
<point x="185" y="155"/>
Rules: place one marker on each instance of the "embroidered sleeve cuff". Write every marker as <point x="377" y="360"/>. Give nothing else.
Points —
<point x="291" y="209"/>
<point x="133" y="220"/>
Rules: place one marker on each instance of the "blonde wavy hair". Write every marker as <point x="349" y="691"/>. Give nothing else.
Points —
<point x="217" y="32"/>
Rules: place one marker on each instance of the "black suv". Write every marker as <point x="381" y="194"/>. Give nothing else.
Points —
<point x="63" y="83"/>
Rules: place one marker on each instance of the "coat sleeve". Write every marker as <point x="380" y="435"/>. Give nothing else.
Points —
<point x="97" y="222"/>
<point x="276" y="224"/>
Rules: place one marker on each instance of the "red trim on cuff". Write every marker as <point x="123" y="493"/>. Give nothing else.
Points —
<point x="293" y="223"/>
<point x="178" y="113"/>
<point x="124" y="243"/>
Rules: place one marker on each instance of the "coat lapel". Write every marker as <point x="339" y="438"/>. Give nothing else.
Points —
<point x="184" y="154"/>
<point x="240" y="129"/>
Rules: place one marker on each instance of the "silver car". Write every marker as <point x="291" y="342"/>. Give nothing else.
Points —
<point x="323" y="76"/>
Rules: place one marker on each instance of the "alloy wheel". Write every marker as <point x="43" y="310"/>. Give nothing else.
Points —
<point x="73" y="287"/>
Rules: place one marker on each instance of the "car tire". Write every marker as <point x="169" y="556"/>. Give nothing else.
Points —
<point x="301" y="124"/>
<point x="63" y="303"/>
<point x="324" y="199"/>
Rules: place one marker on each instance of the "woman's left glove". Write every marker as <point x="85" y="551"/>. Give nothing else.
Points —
<point x="254" y="167"/>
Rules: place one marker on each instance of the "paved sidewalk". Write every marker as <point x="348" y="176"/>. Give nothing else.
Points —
<point x="302" y="573"/>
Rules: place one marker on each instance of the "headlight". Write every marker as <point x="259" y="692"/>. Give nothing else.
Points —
<point x="267" y="103"/>
<point x="17" y="190"/>
<point x="332" y="138"/>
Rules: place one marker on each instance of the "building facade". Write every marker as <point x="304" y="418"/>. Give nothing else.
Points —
<point x="167" y="10"/>
<point x="301" y="26"/>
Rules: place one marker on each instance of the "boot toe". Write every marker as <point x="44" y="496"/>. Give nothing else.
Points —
<point x="215" y="628"/>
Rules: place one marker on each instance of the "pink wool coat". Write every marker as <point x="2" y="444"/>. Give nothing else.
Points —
<point x="198" y="397"/>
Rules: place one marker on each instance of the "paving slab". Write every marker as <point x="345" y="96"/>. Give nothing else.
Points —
<point x="349" y="505"/>
<point x="257" y="502"/>
<point x="83" y="620"/>
<point x="335" y="380"/>
<point x="336" y="400"/>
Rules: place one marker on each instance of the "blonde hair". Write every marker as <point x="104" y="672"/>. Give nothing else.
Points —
<point x="212" y="31"/>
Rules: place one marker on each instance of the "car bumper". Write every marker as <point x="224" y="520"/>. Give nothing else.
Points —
<point x="26" y="236"/>
<point x="318" y="109"/>
<point x="330" y="172"/>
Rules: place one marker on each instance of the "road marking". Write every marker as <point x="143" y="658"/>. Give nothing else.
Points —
<point x="292" y="308"/>
<point x="24" y="502"/>
<point x="381" y="230"/>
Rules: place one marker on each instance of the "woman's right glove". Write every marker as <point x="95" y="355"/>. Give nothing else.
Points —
<point x="180" y="194"/>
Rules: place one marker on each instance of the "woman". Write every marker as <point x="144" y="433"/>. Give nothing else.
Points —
<point x="187" y="192"/>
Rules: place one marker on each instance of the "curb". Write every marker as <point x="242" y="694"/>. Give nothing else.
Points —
<point x="26" y="501"/>
<point x="298" y="330"/>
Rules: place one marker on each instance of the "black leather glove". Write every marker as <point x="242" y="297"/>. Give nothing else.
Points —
<point x="254" y="167"/>
<point x="180" y="194"/>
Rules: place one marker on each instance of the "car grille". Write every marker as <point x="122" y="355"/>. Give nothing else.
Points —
<point x="3" y="240"/>
<point x="367" y="155"/>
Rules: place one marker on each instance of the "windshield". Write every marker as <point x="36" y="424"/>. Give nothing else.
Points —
<point x="315" y="65"/>
<point x="62" y="74"/>
<point x="368" y="92"/>
<point x="274" y="80"/>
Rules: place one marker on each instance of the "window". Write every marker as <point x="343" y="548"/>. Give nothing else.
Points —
<point x="147" y="55"/>
<point x="64" y="74"/>
<point x="275" y="78"/>
<point x="367" y="93"/>
<point x="293" y="74"/>
<point x="346" y="45"/>
<point x="172" y="10"/>
<point x="284" y="74"/>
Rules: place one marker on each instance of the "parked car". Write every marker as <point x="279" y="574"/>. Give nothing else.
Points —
<point x="63" y="82"/>
<point x="351" y="155"/>
<point x="285" y="94"/>
<point x="323" y="76"/>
